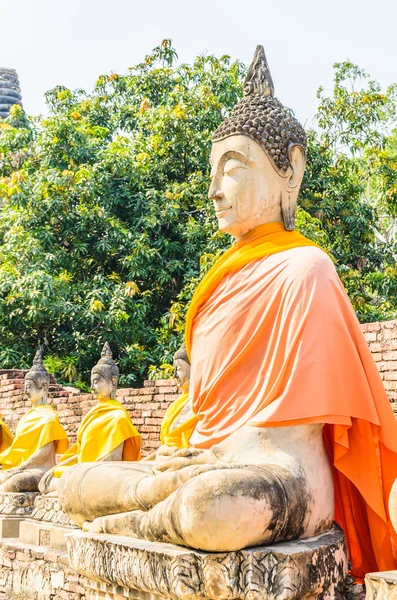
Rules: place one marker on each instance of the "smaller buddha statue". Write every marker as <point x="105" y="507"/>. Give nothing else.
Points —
<point x="179" y="420"/>
<point x="6" y="437"/>
<point x="38" y="438"/>
<point x="106" y="433"/>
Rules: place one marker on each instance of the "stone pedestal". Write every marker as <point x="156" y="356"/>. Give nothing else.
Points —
<point x="118" y="567"/>
<point x="381" y="586"/>
<point x="15" y="507"/>
<point x="47" y="524"/>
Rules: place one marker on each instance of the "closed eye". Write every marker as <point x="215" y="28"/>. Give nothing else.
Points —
<point x="231" y="165"/>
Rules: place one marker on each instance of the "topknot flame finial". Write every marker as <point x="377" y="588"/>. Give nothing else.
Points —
<point x="38" y="358"/>
<point x="259" y="80"/>
<point x="106" y="351"/>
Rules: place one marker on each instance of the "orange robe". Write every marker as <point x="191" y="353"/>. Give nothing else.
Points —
<point x="274" y="341"/>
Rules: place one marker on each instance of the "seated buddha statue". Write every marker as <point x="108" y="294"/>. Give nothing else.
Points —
<point x="294" y="427"/>
<point x="106" y="433"/>
<point x="179" y="420"/>
<point x="39" y="436"/>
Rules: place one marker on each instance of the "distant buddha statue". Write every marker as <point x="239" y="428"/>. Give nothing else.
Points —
<point x="39" y="436"/>
<point x="290" y="406"/>
<point x="106" y="433"/>
<point x="6" y="437"/>
<point x="179" y="420"/>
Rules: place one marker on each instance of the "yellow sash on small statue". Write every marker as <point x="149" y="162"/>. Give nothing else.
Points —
<point x="102" y="430"/>
<point x="38" y="427"/>
<point x="5" y="436"/>
<point x="179" y="436"/>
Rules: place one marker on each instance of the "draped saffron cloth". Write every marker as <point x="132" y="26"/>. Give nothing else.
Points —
<point x="6" y="436"/>
<point x="274" y="341"/>
<point x="177" y="435"/>
<point x="39" y="426"/>
<point x="101" y="431"/>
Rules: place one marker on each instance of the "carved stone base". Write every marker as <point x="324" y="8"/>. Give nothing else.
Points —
<point x="20" y="504"/>
<point x="40" y="533"/>
<point x="14" y="508"/>
<point x="47" y="524"/>
<point x="10" y="526"/>
<point x="381" y="586"/>
<point x="50" y="510"/>
<point x="142" y="570"/>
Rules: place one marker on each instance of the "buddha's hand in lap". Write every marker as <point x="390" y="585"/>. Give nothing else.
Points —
<point x="165" y="451"/>
<point x="184" y="457"/>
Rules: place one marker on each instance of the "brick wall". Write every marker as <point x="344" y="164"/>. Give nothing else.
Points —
<point x="382" y="341"/>
<point x="148" y="404"/>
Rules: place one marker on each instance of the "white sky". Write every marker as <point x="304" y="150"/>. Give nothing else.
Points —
<point x="71" y="42"/>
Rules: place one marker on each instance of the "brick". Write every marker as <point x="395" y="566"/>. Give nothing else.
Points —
<point x="165" y="382"/>
<point x="390" y="344"/>
<point x="168" y="390"/>
<point x="392" y="376"/>
<point x="376" y="347"/>
<point x="389" y="324"/>
<point x="149" y="406"/>
<point x="377" y="356"/>
<point x="370" y="336"/>
<point x="371" y="327"/>
<point x="387" y="366"/>
<point x="159" y="397"/>
<point x="153" y="421"/>
<point x="150" y="428"/>
<point x="390" y="355"/>
<point x="123" y="392"/>
<point x="390" y="385"/>
<point x="389" y="334"/>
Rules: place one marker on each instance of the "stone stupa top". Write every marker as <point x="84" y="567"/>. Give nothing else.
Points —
<point x="10" y="91"/>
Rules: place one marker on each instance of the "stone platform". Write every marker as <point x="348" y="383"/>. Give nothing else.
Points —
<point x="47" y="525"/>
<point x="15" y="507"/>
<point x="118" y="567"/>
<point x="381" y="586"/>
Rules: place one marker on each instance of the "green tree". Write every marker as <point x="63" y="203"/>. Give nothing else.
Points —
<point x="105" y="225"/>
<point x="105" y="213"/>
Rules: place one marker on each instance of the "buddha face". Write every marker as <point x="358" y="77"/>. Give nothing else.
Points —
<point x="36" y="391"/>
<point x="246" y="188"/>
<point x="182" y="373"/>
<point x="103" y="388"/>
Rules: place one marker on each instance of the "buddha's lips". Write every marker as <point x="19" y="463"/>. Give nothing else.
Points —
<point x="220" y="211"/>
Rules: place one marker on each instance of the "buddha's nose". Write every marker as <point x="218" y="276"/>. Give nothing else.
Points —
<point x="215" y="192"/>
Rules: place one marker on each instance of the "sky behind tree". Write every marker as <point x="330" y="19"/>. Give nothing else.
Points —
<point x="53" y="42"/>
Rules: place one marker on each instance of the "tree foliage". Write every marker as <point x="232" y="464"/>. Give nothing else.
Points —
<point x="105" y="225"/>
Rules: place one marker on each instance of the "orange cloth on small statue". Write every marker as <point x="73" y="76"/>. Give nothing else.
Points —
<point x="275" y="342"/>
<point x="178" y="436"/>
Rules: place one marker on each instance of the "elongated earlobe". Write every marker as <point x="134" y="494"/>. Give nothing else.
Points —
<point x="288" y="210"/>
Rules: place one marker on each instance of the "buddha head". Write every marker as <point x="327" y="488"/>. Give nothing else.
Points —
<point x="182" y="368"/>
<point x="37" y="380"/>
<point x="258" y="158"/>
<point x="105" y="375"/>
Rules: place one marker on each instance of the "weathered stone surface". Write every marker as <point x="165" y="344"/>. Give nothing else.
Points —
<point x="381" y="586"/>
<point x="34" y="573"/>
<point x="17" y="503"/>
<point x="49" y="509"/>
<point x="280" y="572"/>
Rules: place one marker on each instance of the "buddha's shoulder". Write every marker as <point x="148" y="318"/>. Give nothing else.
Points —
<point x="302" y="263"/>
<point x="44" y="415"/>
<point x="309" y="262"/>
